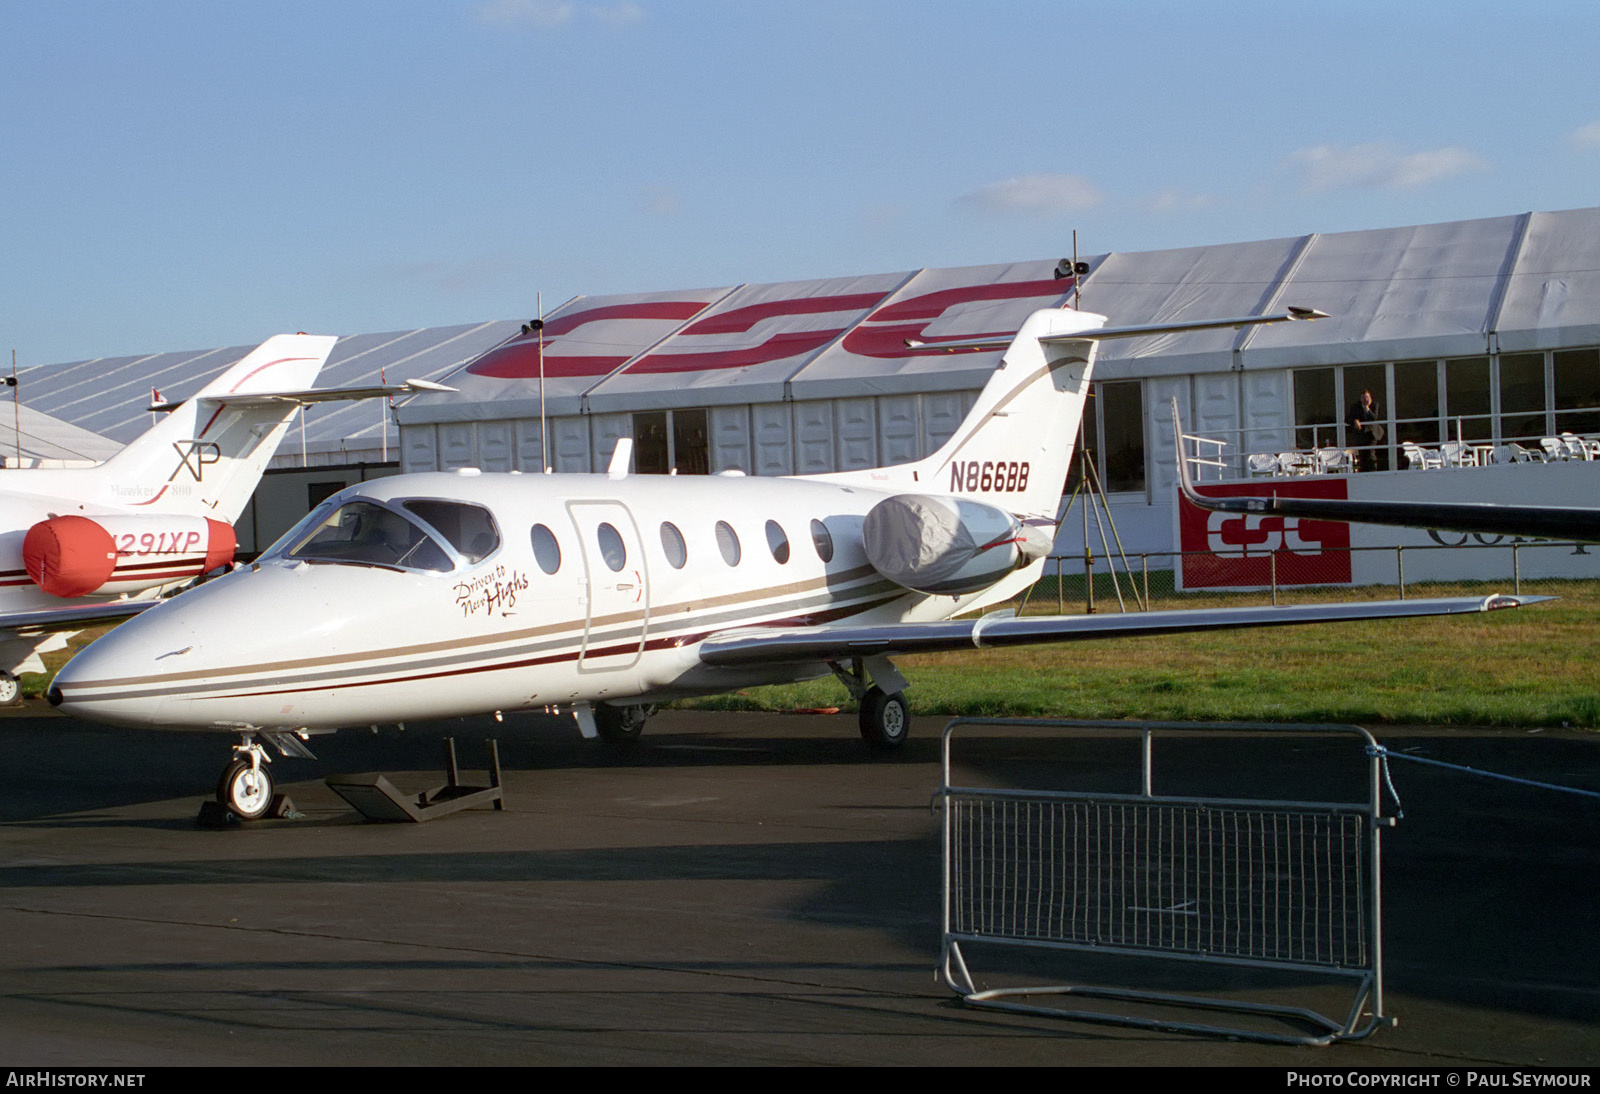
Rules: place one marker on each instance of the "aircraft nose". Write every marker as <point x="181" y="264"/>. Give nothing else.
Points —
<point x="115" y="679"/>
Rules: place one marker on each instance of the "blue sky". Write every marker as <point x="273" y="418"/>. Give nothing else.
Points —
<point x="182" y="175"/>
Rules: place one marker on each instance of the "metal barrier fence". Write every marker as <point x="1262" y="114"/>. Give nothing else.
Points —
<point x="1217" y="879"/>
<point x="1100" y="583"/>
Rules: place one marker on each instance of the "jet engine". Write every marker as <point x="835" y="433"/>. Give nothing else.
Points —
<point x="73" y="556"/>
<point x="947" y="545"/>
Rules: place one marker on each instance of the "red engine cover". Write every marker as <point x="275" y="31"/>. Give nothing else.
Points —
<point x="69" y="556"/>
<point x="221" y="544"/>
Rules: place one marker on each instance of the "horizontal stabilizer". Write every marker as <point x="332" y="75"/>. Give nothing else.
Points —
<point x="1100" y="334"/>
<point x="317" y="395"/>
<point x="760" y="647"/>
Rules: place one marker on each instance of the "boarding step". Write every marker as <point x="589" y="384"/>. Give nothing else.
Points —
<point x="376" y="798"/>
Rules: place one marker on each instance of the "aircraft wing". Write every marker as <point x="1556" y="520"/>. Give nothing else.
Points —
<point x="318" y="395"/>
<point x="1538" y="521"/>
<point x="46" y="620"/>
<point x="757" y="646"/>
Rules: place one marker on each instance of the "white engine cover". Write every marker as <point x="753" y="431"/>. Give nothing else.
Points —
<point x="946" y="545"/>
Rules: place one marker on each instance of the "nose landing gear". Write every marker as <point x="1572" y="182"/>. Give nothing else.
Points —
<point x="245" y="788"/>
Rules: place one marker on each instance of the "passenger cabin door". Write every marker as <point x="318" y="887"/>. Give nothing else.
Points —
<point x="617" y="602"/>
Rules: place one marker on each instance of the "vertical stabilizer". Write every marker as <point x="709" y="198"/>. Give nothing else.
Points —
<point x="207" y="456"/>
<point x="1014" y="448"/>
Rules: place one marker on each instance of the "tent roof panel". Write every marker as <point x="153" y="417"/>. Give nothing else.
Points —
<point x="1552" y="298"/>
<point x="1530" y="281"/>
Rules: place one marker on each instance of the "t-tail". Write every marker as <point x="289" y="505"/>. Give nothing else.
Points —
<point x="1015" y="446"/>
<point x="208" y="455"/>
<point x="978" y="517"/>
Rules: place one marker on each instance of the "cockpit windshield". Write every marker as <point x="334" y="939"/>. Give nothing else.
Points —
<point x="419" y="534"/>
<point x="364" y="533"/>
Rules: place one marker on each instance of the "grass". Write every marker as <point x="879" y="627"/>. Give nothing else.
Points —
<point x="1531" y="667"/>
<point x="35" y="684"/>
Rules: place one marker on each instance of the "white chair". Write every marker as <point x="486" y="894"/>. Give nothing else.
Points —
<point x="1295" y="463"/>
<point x="1576" y="448"/>
<point x="1457" y="454"/>
<point x="1554" y="449"/>
<point x="1332" y="461"/>
<point x="1419" y="458"/>
<point x="1259" y="464"/>
<point x="1511" y="452"/>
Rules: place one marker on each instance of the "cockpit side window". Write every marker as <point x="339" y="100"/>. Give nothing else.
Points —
<point x="469" y="528"/>
<point x="364" y="533"/>
<point x="314" y="519"/>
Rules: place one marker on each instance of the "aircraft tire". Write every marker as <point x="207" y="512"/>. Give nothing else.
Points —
<point x="10" y="689"/>
<point x="620" y="726"/>
<point x="885" y="719"/>
<point x="246" y="791"/>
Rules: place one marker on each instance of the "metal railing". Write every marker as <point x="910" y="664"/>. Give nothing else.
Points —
<point x="1455" y="441"/>
<point x="1290" y="888"/>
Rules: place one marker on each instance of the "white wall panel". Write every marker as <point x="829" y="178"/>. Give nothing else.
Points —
<point x="529" y="455"/>
<point x="571" y="438"/>
<point x="942" y="412"/>
<point x="813" y="433"/>
<point x="1216" y="415"/>
<point x="1159" y="392"/>
<point x="730" y="439"/>
<point x="899" y="434"/>
<point x="419" y="449"/>
<point x="456" y="445"/>
<point x="1268" y="411"/>
<point x="495" y="448"/>
<point x="604" y="429"/>
<point x="855" y="434"/>
<point x="774" y="444"/>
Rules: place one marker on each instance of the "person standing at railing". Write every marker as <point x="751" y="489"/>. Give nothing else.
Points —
<point x="1365" y="432"/>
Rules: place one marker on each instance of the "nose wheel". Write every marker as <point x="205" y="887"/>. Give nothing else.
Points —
<point x="246" y="786"/>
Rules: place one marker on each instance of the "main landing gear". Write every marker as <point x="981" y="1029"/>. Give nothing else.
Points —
<point x="885" y="718"/>
<point x="621" y="726"/>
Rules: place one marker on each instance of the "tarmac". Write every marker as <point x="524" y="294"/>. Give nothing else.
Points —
<point x="738" y="889"/>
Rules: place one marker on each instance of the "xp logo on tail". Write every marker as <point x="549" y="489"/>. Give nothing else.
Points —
<point x="195" y="455"/>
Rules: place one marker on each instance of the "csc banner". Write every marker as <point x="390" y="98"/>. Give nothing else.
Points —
<point x="1252" y="550"/>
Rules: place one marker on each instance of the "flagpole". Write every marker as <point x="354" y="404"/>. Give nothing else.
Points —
<point x="544" y="439"/>
<point x="16" y="405"/>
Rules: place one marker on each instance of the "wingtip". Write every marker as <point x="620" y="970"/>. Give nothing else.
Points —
<point x="1502" y="600"/>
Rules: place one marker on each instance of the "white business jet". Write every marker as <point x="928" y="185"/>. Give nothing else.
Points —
<point x="427" y="596"/>
<point x="81" y="546"/>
